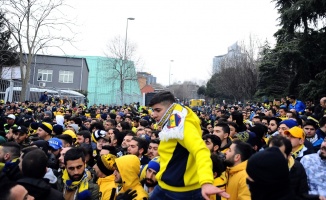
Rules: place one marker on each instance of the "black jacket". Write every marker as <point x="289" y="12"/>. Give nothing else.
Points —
<point x="298" y="181"/>
<point x="40" y="190"/>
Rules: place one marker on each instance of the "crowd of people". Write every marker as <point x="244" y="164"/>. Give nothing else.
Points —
<point x="59" y="149"/>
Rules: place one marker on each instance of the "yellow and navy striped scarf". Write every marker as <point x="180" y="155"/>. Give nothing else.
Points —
<point x="81" y="186"/>
<point x="166" y="115"/>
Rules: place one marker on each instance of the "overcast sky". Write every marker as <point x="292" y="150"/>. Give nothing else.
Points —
<point x="190" y="32"/>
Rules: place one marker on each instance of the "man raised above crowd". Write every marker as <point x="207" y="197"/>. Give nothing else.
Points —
<point x="185" y="164"/>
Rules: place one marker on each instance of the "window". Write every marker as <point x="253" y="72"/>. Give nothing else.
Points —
<point x="44" y="75"/>
<point x="66" y="76"/>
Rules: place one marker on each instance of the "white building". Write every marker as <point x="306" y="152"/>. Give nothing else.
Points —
<point x="233" y="50"/>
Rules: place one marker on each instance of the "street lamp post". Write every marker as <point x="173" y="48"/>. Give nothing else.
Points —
<point x="125" y="56"/>
<point x="170" y="72"/>
<point x="124" y="61"/>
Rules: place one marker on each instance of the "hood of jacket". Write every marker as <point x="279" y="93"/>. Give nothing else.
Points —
<point x="240" y="167"/>
<point x="129" y="168"/>
<point x="50" y="176"/>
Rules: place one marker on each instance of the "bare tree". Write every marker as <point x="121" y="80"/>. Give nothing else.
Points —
<point x="123" y="63"/>
<point x="185" y="91"/>
<point x="238" y="72"/>
<point x="35" y="25"/>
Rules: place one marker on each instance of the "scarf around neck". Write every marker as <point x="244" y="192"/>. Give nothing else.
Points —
<point x="313" y="139"/>
<point x="297" y="152"/>
<point x="166" y="115"/>
<point x="81" y="186"/>
<point x="173" y="123"/>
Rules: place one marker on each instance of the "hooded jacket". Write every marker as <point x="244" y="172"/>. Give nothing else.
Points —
<point x="237" y="182"/>
<point x="39" y="189"/>
<point x="107" y="187"/>
<point x="129" y="168"/>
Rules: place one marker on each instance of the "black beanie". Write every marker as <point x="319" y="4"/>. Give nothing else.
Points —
<point x="268" y="167"/>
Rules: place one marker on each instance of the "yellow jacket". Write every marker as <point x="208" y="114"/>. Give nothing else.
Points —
<point x="129" y="167"/>
<point x="219" y="182"/>
<point x="237" y="183"/>
<point x="185" y="164"/>
<point x="107" y="187"/>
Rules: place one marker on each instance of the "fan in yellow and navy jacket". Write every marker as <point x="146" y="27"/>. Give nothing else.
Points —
<point x="180" y="149"/>
<point x="129" y="168"/>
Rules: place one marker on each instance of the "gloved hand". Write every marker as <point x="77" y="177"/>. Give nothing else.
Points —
<point x="128" y="195"/>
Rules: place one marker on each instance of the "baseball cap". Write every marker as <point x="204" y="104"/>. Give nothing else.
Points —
<point x="55" y="143"/>
<point x="11" y="116"/>
<point x="295" y="132"/>
<point x="20" y="129"/>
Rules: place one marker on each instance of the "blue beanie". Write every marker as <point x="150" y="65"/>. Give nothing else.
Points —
<point x="104" y="116"/>
<point x="289" y="123"/>
<point x="154" y="164"/>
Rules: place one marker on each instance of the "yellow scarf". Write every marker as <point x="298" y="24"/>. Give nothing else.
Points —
<point x="81" y="185"/>
<point x="166" y="115"/>
<point x="296" y="153"/>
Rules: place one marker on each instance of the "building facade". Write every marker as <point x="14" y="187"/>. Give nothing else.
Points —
<point x="59" y="72"/>
<point x="233" y="51"/>
<point x="104" y="82"/>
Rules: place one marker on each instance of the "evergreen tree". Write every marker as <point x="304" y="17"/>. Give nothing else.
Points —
<point x="300" y="51"/>
<point x="8" y="56"/>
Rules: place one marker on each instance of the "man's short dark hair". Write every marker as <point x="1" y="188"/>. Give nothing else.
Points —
<point x="278" y="141"/>
<point x="257" y="117"/>
<point x="214" y="138"/>
<point x="85" y="134"/>
<point x="112" y="149"/>
<point x="129" y="133"/>
<point x="244" y="149"/>
<point x="97" y="125"/>
<point x="156" y="133"/>
<point x="141" y="143"/>
<point x="143" y="123"/>
<point x="136" y="119"/>
<point x="77" y="120"/>
<point x="276" y="119"/>
<point x="67" y="138"/>
<point x="74" y="154"/>
<point x="155" y="141"/>
<point x="225" y="127"/>
<point x="164" y="96"/>
<point x="283" y="108"/>
<point x="218" y="165"/>
<point x="311" y="122"/>
<point x="322" y="121"/>
<point x="235" y="125"/>
<point x="118" y="136"/>
<point x="28" y="149"/>
<point x="125" y="125"/>
<point x="34" y="164"/>
<point x="12" y="148"/>
<point x="112" y="121"/>
<point x="291" y="97"/>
